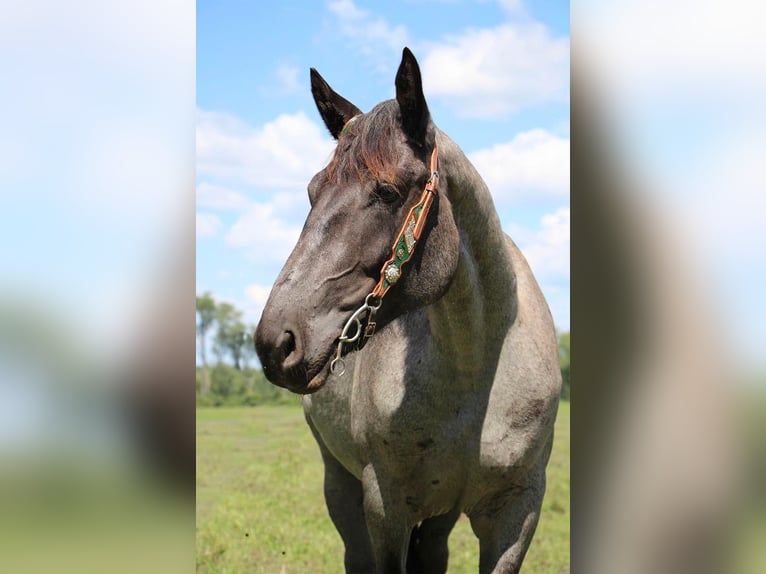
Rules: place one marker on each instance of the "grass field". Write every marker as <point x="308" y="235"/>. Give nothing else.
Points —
<point x="260" y="506"/>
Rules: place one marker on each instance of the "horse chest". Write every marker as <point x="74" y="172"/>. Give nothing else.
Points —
<point x="424" y="462"/>
<point x="409" y="437"/>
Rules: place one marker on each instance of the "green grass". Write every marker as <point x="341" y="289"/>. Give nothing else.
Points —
<point x="260" y="506"/>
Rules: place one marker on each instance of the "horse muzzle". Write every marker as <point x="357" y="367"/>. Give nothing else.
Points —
<point x="281" y="351"/>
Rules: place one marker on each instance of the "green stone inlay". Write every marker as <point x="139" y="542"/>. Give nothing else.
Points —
<point x="401" y="246"/>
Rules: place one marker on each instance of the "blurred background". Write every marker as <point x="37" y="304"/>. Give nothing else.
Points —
<point x="96" y="286"/>
<point x="97" y="274"/>
<point x="669" y="384"/>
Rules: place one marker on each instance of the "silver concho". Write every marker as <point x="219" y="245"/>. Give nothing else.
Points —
<point x="392" y="274"/>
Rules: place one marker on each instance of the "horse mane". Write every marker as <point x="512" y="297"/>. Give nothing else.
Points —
<point x="369" y="148"/>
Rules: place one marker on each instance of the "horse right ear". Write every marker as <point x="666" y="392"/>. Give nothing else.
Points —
<point x="412" y="102"/>
<point x="334" y="108"/>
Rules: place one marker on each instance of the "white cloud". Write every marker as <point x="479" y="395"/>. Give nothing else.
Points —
<point x="287" y="79"/>
<point x="284" y="153"/>
<point x="207" y="225"/>
<point x="497" y="71"/>
<point x="547" y="250"/>
<point x="482" y="72"/>
<point x="533" y="162"/>
<point x="277" y="161"/>
<point x="291" y="205"/>
<point x="256" y="296"/>
<point x="265" y="236"/>
<point x="511" y="6"/>
<point x="218" y="197"/>
<point x="372" y="35"/>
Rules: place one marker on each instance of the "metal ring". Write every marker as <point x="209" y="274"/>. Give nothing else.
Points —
<point x="334" y="364"/>
<point x="367" y="302"/>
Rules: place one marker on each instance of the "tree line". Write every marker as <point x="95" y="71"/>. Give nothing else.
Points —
<point x="233" y="379"/>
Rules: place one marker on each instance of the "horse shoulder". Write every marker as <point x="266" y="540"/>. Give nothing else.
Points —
<point x="524" y="397"/>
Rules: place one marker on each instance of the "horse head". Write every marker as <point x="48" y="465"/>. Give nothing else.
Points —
<point x="358" y="204"/>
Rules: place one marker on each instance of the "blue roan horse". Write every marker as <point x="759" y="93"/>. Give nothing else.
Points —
<point x="430" y="368"/>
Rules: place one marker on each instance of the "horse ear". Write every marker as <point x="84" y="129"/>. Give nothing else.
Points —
<point x="334" y="108"/>
<point x="412" y="102"/>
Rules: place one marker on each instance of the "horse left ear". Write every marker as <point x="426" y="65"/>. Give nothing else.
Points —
<point x="412" y="102"/>
<point x="334" y="108"/>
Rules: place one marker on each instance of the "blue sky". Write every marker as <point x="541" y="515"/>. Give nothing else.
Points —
<point x="496" y="77"/>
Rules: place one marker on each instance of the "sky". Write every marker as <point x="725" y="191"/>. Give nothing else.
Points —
<point x="683" y="87"/>
<point x="496" y="78"/>
<point x="96" y="199"/>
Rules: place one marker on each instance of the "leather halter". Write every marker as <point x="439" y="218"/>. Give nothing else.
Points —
<point x="409" y="234"/>
<point x="401" y="253"/>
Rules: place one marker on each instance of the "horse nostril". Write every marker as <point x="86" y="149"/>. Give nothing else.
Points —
<point x="287" y="346"/>
<point x="286" y="343"/>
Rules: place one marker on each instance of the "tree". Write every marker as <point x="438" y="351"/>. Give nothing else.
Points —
<point x="248" y="346"/>
<point x="230" y="337"/>
<point x="206" y="309"/>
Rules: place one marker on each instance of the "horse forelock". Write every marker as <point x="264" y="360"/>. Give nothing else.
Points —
<point x="370" y="148"/>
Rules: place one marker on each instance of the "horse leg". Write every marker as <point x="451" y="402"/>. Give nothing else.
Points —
<point x="504" y="526"/>
<point x="387" y="523"/>
<point x="428" y="552"/>
<point x="343" y="497"/>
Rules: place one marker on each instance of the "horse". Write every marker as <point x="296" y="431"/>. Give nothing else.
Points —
<point x="422" y="344"/>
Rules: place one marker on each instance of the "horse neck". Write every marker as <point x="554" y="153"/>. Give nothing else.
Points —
<point x="474" y="315"/>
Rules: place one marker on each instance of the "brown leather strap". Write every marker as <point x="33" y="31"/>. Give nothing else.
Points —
<point x="409" y="234"/>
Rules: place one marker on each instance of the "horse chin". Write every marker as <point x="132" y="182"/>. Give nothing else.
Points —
<point x="318" y="381"/>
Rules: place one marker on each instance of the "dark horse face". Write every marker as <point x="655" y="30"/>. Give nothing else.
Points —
<point x="358" y="203"/>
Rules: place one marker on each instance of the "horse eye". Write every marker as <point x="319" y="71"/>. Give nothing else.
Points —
<point x="388" y="193"/>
